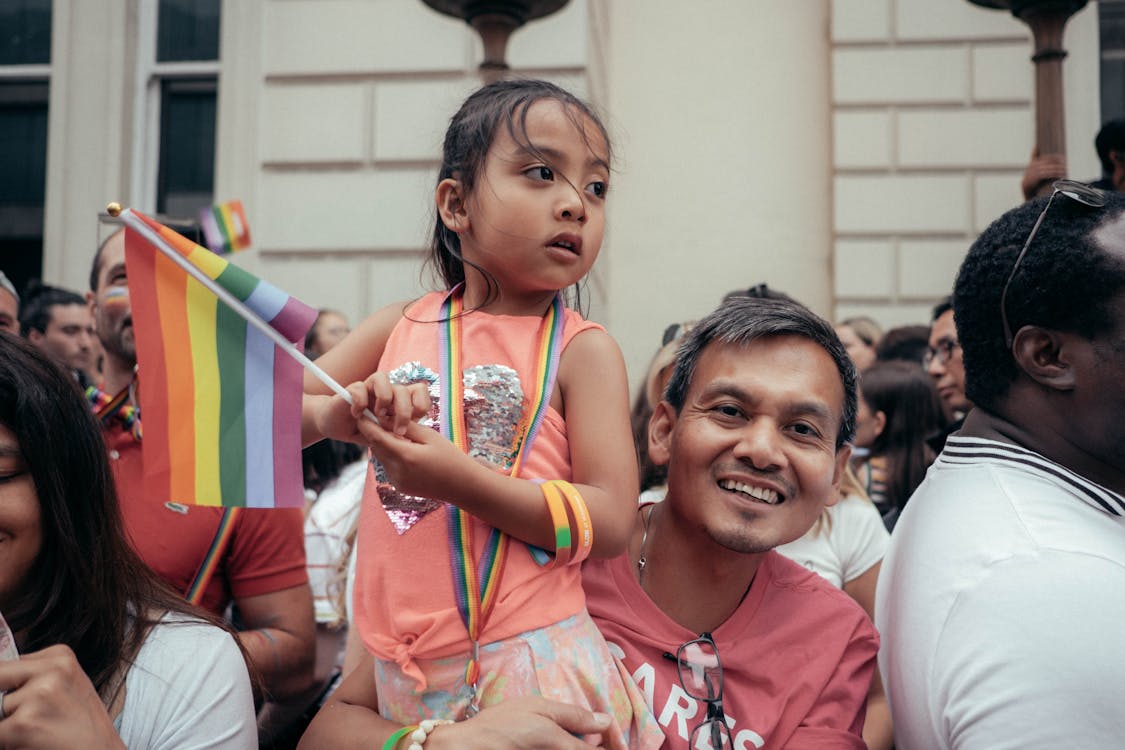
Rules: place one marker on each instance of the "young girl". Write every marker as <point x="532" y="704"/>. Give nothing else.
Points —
<point x="456" y="595"/>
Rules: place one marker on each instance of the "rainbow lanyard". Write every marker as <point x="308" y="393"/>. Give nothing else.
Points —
<point x="121" y="406"/>
<point x="477" y="583"/>
<point x="210" y="564"/>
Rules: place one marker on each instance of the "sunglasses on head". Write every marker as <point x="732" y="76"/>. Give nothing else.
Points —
<point x="1076" y="191"/>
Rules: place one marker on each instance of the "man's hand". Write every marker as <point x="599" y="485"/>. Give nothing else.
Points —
<point x="530" y="723"/>
<point x="1040" y="172"/>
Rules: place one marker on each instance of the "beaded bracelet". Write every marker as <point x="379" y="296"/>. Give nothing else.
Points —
<point x="419" y="736"/>
<point x="392" y="741"/>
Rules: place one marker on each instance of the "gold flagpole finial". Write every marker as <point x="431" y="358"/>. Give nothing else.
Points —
<point x="113" y="209"/>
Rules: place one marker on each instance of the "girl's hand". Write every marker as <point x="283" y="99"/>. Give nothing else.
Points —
<point x="50" y="703"/>
<point x="395" y="406"/>
<point x="421" y="461"/>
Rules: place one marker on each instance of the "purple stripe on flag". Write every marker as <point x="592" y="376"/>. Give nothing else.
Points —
<point x="259" y="405"/>
<point x="267" y="301"/>
<point x="294" y="320"/>
<point x="289" y="491"/>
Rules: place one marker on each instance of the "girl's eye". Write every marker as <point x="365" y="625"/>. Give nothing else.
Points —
<point x="11" y="475"/>
<point x="540" y="173"/>
<point x="597" y="188"/>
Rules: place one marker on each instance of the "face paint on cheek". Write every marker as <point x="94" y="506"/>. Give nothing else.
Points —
<point x="116" y="296"/>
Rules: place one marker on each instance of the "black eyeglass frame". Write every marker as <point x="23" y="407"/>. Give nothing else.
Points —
<point x="714" y="700"/>
<point x="1078" y="191"/>
<point x="943" y="353"/>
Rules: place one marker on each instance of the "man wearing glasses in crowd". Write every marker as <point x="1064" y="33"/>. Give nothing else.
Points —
<point x="1000" y="596"/>
<point x="733" y="645"/>
<point x="943" y="362"/>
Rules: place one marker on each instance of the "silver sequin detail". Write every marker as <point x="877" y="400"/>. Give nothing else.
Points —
<point x="494" y="406"/>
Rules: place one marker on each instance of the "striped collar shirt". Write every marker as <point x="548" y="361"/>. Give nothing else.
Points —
<point x="968" y="451"/>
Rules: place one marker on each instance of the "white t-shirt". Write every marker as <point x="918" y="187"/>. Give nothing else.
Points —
<point x="331" y="518"/>
<point x="188" y="688"/>
<point x="843" y="551"/>
<point x="1000" y="606"/>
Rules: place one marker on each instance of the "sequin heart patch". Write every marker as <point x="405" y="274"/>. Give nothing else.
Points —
<point x="494" y="406"/>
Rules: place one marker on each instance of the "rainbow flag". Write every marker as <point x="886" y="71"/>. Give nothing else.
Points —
<point x="221" y="402"/>
<point x="225" y="229"/>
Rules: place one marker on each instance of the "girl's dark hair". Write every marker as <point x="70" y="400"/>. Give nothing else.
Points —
<point x="905" y="394"/>
<point x="468" y="138"/>
<point x="87" y="588"/>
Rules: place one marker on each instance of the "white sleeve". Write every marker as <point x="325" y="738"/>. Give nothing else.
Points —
<point x="188" y="689"/>
<point x="861" y="539"/>
<point x="1030" y="657"/>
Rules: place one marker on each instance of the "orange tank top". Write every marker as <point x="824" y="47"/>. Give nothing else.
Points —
<point x="404" y="603"/>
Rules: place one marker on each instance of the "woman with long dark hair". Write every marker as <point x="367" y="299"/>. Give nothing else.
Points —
<point x="898" y="410"/>
<point x="110" y="657"/>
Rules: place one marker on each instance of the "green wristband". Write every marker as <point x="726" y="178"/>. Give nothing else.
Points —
<point x="392" y="741"/>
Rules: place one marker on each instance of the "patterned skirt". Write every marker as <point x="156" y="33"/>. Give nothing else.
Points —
<point x="567" y="662"/>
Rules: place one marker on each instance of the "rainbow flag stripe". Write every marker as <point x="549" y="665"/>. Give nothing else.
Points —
<point x="225" y="227"/>
<point x="221" y="404"/>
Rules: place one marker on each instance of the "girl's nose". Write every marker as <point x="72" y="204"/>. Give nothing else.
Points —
<point x="571" y="207"/>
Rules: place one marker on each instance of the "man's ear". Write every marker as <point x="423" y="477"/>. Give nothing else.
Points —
<point x="660" y="426"/>
<point x="34" y="336"/>
<point x="843" y="455"/>
<point x="1043" y="355"/>
<point x="449" y="196"/>
<point x="92" y="304"/>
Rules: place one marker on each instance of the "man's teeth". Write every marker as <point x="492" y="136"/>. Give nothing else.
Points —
<point x="758" y="493"/>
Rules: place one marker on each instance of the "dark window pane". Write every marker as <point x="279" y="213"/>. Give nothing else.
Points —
<point x="187" y="30"/>
<point x="187" y="146"/>
<point x="23" y="177"/>
<point x="1111" y="28"/>
<point x="25" y="38"/>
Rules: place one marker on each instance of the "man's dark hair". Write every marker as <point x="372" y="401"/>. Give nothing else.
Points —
<point x="742" y="320"/>
<point x="1064" y="282"/>
<point x="903" y="344"/>
<point x="38" y="299"/>
<point x="941" y="308"/>
<point x="96" y="265"/>
<point x="1110" y="138"/>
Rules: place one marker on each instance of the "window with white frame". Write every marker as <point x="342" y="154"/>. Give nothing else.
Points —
<point x="25" y="69"/>
<point x="179" y="80"/>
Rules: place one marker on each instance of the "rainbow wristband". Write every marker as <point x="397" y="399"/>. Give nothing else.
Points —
<point x="581" y="520"/>
<point x="392" y="741"/>
<point x="561" y="521"/>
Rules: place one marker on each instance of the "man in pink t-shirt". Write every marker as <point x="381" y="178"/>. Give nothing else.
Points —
<point x="753" y="428"/>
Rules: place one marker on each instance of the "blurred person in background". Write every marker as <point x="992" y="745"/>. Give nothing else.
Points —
<point x="9" y="306"/>
<point x="898" y="410"/>
<point x="860" y="336"/>
<point x="59" y="322"/>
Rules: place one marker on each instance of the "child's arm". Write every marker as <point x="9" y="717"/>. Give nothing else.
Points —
<point x="594" y="390"/>
<point x="323" y="414"/>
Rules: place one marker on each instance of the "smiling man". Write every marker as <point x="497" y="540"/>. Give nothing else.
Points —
<point x="753" y="428"/>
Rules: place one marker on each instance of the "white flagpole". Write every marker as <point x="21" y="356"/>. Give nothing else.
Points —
<point x="140" y="227"/>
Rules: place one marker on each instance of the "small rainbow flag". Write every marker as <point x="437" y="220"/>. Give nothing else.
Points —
<point x="221" y="402"/>
<point x="225" y="229"/>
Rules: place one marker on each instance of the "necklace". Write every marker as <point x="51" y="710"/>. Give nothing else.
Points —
<point x="642" y="561"/>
